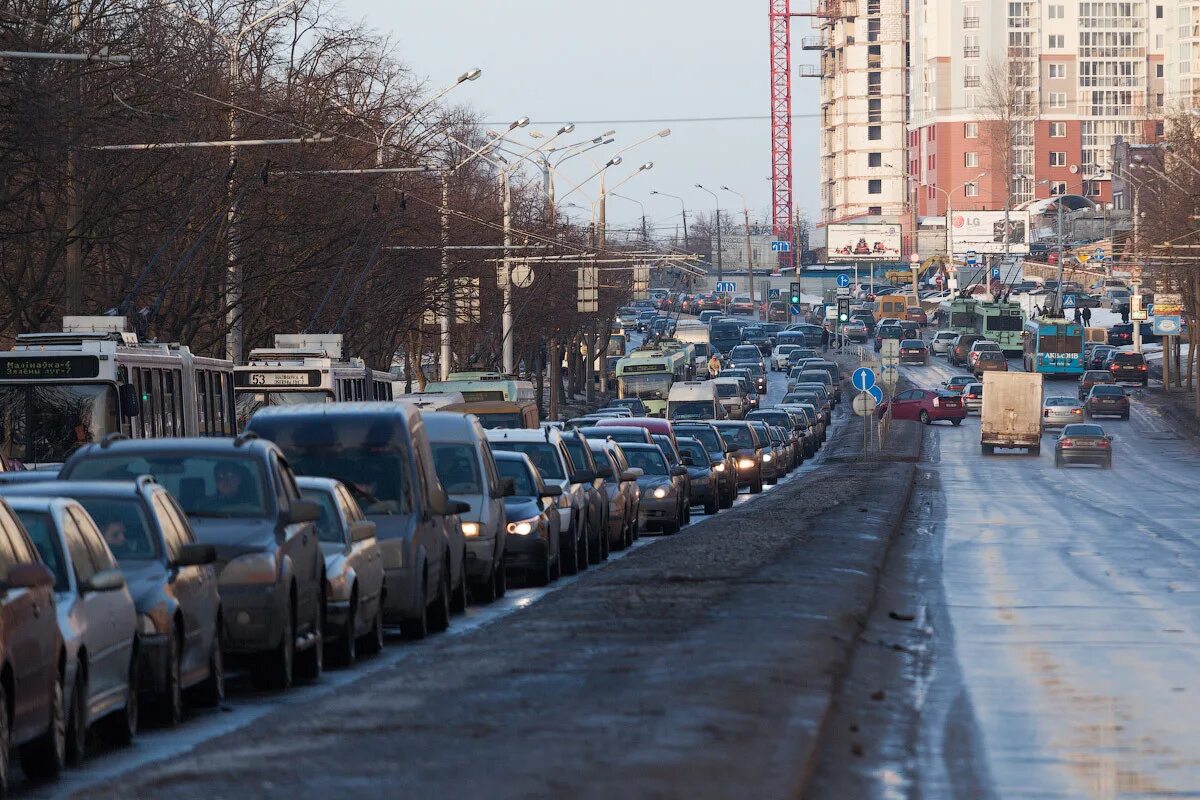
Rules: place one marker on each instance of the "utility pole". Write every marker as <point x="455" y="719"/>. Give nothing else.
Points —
<point x="447" y="287"/>
<point x="749" y="253"/>
<point x="506" y="320"/>
<point x="73" y="268"/>
<point x="554" y="368"/>
<point x="233" y="277"/>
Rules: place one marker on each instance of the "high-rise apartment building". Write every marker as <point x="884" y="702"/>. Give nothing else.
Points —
<point x="1033" y="91"/>
<point x="1183" y="54"/>
<point x="863" y="109"/>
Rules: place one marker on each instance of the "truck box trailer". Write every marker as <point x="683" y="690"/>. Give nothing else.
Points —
<point x="1011" y="413"/>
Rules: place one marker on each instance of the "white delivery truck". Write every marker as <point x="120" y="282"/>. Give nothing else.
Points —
<point x="1012" y="411"/>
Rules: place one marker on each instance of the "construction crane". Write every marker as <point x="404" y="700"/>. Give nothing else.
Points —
<point x="781" y="127"/>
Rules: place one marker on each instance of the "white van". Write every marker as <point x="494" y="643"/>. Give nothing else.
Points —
<point x="730" y="396"/>
<point x="694" y="400"/>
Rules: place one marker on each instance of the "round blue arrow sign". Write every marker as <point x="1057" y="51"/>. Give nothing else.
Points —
<point x="877" y="393"/>
<point x="863" y="379"/>
<point x="843" y="280"/>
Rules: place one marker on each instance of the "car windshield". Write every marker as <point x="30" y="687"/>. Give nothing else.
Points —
<point x="457" y="467"/>
<point x="727" y="390"/>
<point x="1097" y="376"/>
<point x="696" y="452"/>
<point x="756" y="370"/>
<point x="1126" y="359"/>
<point x="48" y="422"/>
<point x="544" y="455"/>
<point x="738" y="435"/>
<point x="207" y="486"/>
<point x="664" y="444"/>
<point x="1108" y="391"/>
<point x="44" y="536"/>
<point x="648" y="460"/>
<point x="522" y="478"/>
<point x="706" y="437"/>
<point x="329" y="527"/>
<point x="1082" y="430"/>
<point x="123" y="522"/>
<point x="973" y="388"/>
<point x="498" y="421"/>
<point x="785" y="349"/>
<point x="991" y="355"/>
<point x="691" y="409"/>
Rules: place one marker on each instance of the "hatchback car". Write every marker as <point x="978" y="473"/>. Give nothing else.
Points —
<point x="990" y="361"/>
<point x="1129" y="368"/>
<point x="972" y="395"/>
<point x="1091" y="378"/>
<point x="916" y="314"/>
<point x="927" y="406"/>
<point x="750" y="451"/>
<point x="957" y="355"/>
<point x="981" y="346"/>
<point x="621" y="491"/>
<point x="353" y="571"/>
<point x="887" y="332"/>
<point x="704" y="489"/>
<point x="664" y="499"/>
<point x="534" y="546"/>
<point x="240" y="496"/>
<point x="959" y="382"/>
<point x="941" y="342"/>
<point x="1058" y="411"/>
<point x="1107" y="400"/>
<point x="718" y="451"/>
<point x="745" y="354"/>
<point x="172" y="582"/>
<point x="914" y="351"/>
<point x="855" y="330"/>
<point x="1083" y="444"/>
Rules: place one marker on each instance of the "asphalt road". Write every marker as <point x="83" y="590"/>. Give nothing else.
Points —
<point x="1048" y="620"/>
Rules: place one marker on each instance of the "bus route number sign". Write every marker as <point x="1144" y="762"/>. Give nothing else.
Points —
<point x="285" y="379"/>
<point x="47" y="367"/>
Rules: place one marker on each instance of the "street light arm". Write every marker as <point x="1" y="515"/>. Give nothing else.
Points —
<point x="284" y="6"/>
<point x="612" y="162"/>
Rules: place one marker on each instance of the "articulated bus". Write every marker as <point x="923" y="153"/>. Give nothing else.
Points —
<point x="59" y="391"/>
<point x="649" y="374"/>
<point x="958" y="315"/>
<point x="1054" y="347"/>
<point x="1002" y="323"/>
<point x="305" y="368"/>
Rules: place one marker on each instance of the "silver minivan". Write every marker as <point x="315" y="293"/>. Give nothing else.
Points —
<point x="464" y="463"/>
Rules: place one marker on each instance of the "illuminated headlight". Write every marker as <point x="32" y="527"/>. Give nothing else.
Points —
<point x="660" y="493"/>
<point x="523" y="527"/>
<point x="470" y="529"/>
<point x="766" y="457"/>
<point x="718" y="468"/>
<point x="746" y="463"/>
<point x="255" y="568"/>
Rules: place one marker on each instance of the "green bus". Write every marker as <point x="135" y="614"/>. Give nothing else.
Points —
<point x="1003" y="323"/>
<point x="649" y="374"/>
<point x="959" y="315"/>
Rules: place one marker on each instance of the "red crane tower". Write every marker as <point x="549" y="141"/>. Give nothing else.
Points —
<point x="781" y="126"/>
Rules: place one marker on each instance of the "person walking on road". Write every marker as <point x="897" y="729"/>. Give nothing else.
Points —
<point x="1077" y="315"/>
<point x="1124" y="315"/>
<point x="825" y="339"/>
<point x="714" y="366"/>
<point x="1087" y="316"/>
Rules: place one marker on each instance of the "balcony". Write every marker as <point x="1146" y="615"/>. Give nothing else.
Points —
<point x="970" y="52"/>
<point x="808" y="71"/>
<point x="971" y="81"/>
<point x="811" y="43"/>
<point x="874" y="91"/>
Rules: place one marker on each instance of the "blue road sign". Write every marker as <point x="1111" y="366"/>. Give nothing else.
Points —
<point x="1098" y="253"/>
<point x="996" y="273"/>
<point x="781" y="247"/>
<point x="972" y="258"/>
<point x="1068" y="301"/>
<point x="863" y="379"/>
<point x="773" y="294"/>
<point x="794" y="309"/>
<point x="843" y="280"/>
<point x="1168" y="325"/>
<point x="877" y="393"/>
<point x="726" y="287"/>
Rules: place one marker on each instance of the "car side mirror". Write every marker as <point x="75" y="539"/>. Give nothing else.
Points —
<point x="582" y="476"/>
<point x="635" y="472"/>
<point x="688" y="461"/>
<point x="29" y="576"/>
<point x="456" y="507"/>
<point x="731" y="448"/>
<point x="678" y="472"/>
<point x="508" y="487"/>
<point x="551" y="491"/>
<point x="106" y="580"/>
<point x="130" y="400"/>
<point x="361" y="531"/>
<point x="303" y="511"/>
<point x="1109" y="437"/>
<point x="195" y="555"/>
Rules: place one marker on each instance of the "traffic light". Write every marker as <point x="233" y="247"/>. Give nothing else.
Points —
<point x="843" y="310"/>
<point x="795" y="286"/>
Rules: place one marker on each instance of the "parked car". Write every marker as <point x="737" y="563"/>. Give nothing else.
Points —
<point x="621" y="491"/>
<point x="1084" y="444"/>
<point x="533" y="531"/>
<point x="664" y="498"/>
<point x="353" y="570"/>
<point x="926" y="405"/>
<point x="1092" y="377"/>
<point x="33" y="721"/>
<point x="240" y="496"/>
<point x="749" y="453"/>
<point x="96" y="620"/>
<point x="1058" y="411"/>
<point x="914" y="351"/>
<point x="172" y="581"/>
<point x="941" y="342"/>
<point x="1106" y="400"/>
<point x="718" y="451"/>
<point x="1129" y="367"/>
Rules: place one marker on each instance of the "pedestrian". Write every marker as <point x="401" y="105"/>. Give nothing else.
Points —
<point x="1124" y="315"/>
<point x="714" y="366"/>
<point x="1077" y="315"/>
<point x="1087" y="316"/>
<point x="825" y="339"/>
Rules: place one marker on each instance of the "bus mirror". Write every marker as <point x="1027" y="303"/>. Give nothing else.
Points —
<point x="131" y="401"/>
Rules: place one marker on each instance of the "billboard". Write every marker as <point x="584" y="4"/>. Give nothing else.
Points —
<point x="865" y="242"/>
<point x="983" y="231"/>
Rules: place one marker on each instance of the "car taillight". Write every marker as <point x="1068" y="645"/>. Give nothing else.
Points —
<point x="1102" y="443"/>
<point x="1142" y="367"/>
<point x="1066" y="442"/>
<point x="1113" y="368"/>
<point x="1077" y="411"/>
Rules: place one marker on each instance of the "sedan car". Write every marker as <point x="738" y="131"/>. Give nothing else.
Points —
<point x="621" y="490"/>
<point x="1099" y="355"/>
<point x="1058" y="411"/>
<point x="990" y="361"/>
<point x="95" y="617"/>
<point x="959" y="382"/>
<point x="534" y="546"/>
<point x="914" y="351"/>
<point x="750" y="451"/>
<point x="664" y="500"/>
<point x="719" y="451"/>
<point x="927" y="406"/>
<point x="981" y="346"/>
<point x="1083" y="444"/>
<point x="779" y="356"/>
<point x="1106" y="400"/>
<point x="957" y="354"/>
<point x="1091" y="378"/>
<point x="353" y="570"/>
<point x="972" y="395"/>
<point x="773" y="467"/>
<point x="700" y="465"/>
<point x="941" y="342"/>
<point x="855" y="330"/>
<point x="916" y="314"/>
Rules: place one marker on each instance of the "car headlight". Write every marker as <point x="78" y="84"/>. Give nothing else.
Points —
<point x="523" y="527"/>
<point x="766" y="457"/>
<point x="660" y="493"/>
<point x="470" y="529"/>
<point x="719" y="467"/>
<point x="746" y="463"/>
<point x="254" y="568"/>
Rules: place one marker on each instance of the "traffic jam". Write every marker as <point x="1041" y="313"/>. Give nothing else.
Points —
<point x="192" y="525"/>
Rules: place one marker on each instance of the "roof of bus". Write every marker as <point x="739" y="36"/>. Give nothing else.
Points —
<point x="488" y="406"/>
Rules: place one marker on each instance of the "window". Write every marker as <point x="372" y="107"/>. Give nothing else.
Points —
<point x="1058" y="99"/>
<point x="1056" y="41"/>
<point x="874" y="110"/>
<point x="1058" y="159"/>
<point x="1058" y="130"/>
<point x="874" y="133"/>
<point x="1158" y="70"/>
<point x="971" y="159"/>
<point x="875" y="186"/>
<point x="1056" y="12"/>
<point x="81" y="558"/>
<point x="1158" y="12"/>
<point x="971" y="190"/>
<point x="172" y="535"/>
<point x="1158" y="128"/>
<point x="931" y="162"/>
<point x="1058" y="71"/>
<point x="971" y="130"/>
<point x="1158" y="100"/>
<point x="875" y="211"/>
<point x="1091" y="188"/>
<point x="1059" y="188"/>
<point x="102" y="557"/>
<point x="971" y="76"/>
<point x="874" y="159"/>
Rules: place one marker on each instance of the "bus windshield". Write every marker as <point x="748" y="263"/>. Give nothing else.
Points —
<point x="647" y="387"/>
<point x="42" y="423"/>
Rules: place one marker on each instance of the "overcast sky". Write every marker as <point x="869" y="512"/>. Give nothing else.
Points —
<point x="634" y="66"/>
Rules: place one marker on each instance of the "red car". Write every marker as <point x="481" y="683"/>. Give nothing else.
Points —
<point x="916" y="314"/>
<point x="927" y="405"/>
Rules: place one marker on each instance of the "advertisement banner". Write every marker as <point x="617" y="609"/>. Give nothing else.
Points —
<point x="866" y="242"/>
<point x="983" y="231"/>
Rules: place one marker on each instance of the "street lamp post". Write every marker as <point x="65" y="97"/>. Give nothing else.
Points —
<point x="683" y="207"/>
<point x="717" y="200"/>
<point x="642" y="206"/>
<point x="749" y="246"/>
<point x="950" y="221"/>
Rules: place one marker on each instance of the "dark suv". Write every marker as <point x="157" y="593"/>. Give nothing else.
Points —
<point x="240" y="496"/>
<point x="173" y="587"/>
<point x="961" y="348"/>
<point x="1129" y="367"/>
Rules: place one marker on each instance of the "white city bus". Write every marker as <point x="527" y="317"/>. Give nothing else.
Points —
<point x="61" y="390"/>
